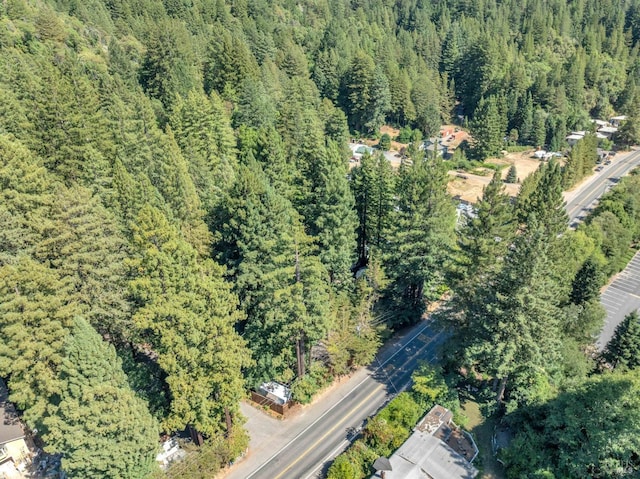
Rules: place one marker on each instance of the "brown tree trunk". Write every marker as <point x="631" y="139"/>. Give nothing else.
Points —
<point x="501" y="389"/>
<point x="228" y="419"/>
<point x="196" y="437"/>
<point x="300" y="355"/>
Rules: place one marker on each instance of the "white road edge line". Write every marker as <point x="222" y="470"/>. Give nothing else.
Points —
<point x="342" y="399"/>
<point x="329" y="456"/>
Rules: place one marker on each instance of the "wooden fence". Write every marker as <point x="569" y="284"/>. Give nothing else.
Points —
<point x="281" y="409"/>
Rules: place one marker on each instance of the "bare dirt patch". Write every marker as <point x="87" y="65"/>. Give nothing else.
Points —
<point x="468" y="187"/>
<point x="524" y="162"/>
<point x="391" y="131"/>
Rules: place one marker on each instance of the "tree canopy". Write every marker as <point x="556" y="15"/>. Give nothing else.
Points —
<point x="176" y="190"/>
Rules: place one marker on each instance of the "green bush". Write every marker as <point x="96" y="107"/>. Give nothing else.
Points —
<point x="392" y="426"/>
<point x="405" y="135"/>
<point x="385" y="142"/>
<point x="517" y="148"/>
<point x="303" y="389"/>
<point x="343" y="468"/>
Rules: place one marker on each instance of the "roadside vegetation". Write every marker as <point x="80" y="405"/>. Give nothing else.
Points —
<point x="528" y="389"/>
<point x="179" y="221"/>
<point x="388" y="429"/>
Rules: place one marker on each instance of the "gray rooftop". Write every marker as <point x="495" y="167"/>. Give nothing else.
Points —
<point x="10" y="428"/>
<point x="425" y="456"/>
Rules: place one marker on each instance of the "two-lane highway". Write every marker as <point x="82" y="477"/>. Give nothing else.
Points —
<point x="622" y="295"/>
<point x="580" y="203"/>
<point x="308" y="454"/>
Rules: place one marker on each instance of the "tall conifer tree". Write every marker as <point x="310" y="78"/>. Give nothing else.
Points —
<point x="517" y="337"/>
<point x="36" y="319"/>
<point x="187" y="312"/>
<point x="280" y="281"/>
<point x="423" y="233"/>
<point x="95" y="420"/>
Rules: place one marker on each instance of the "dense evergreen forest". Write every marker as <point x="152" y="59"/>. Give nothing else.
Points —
<point x="178" y="222"/>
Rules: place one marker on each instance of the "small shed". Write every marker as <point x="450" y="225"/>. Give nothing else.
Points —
<point x="275" y="396"/>
<point x="278" y="393"/>
<point x="171" y="452"/>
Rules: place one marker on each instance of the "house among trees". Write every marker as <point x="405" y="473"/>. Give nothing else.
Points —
<point x="602" y="133"/>
<point x="607" y="131"/>
<point x="437" y="449"/>
<point x="14" y="452"/>
<point x="604" y="129"/>
<point x="358" y="150"/>
<point x="434" y="144"/>
<point x="617" y="120"/>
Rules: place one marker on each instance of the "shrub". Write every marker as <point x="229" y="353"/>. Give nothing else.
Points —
<point x="303" y="389"/>
<point x="343" y="468"/>
<point x="385" y="142"/>
<point x="517" y="148"/>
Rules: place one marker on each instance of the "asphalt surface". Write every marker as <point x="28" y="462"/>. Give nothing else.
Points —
<point x="621" y="297"/>
<point x="309" y="453"/>
<point x="579" y="204"/>
<point x="303" y="447"/>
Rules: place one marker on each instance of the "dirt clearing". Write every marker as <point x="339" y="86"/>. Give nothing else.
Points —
<point x="468" y="186"/>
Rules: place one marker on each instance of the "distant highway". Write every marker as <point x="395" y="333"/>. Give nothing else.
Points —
<point x="580" y="203"/>
<point x="622" y="295"/>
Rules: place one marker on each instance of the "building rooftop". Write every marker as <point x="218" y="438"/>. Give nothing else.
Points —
<point x="10" y="427"/>
<point x="427" y="453"/>
<point x="277" y="392"/>
<point x="434" y="419"/>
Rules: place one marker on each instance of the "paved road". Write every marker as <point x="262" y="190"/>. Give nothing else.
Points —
<point x="622" y="295"/>
<point x="309" y="452"/>
<point x="583" y="200"/>
<point x="311" y="441"/>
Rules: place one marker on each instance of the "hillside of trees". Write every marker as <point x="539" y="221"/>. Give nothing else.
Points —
<point x="178" y="222"/>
